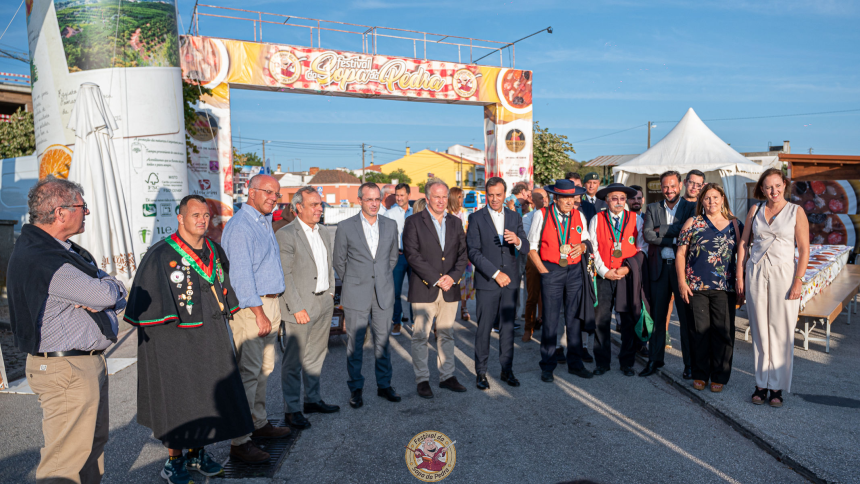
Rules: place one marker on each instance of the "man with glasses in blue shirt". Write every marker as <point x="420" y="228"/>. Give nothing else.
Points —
<point x="258" y="280"/>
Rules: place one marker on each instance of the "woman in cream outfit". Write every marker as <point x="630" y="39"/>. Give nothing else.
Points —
<point x="773" y="283"/>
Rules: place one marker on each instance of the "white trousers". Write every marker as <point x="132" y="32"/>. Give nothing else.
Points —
<point x="773" y="318"/>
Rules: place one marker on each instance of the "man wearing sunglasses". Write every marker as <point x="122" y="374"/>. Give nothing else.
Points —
<point x="63" y="314"/>
<point x="258" y="280"/>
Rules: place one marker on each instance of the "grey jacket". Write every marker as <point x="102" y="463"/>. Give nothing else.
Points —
<point x="359" y="270"/>
<point x="300" y="271"/>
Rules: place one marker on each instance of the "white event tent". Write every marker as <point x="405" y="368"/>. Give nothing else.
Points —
<point x="692" y="145"/>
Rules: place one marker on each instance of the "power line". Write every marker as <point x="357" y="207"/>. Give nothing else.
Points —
<point x="724" y="119"/>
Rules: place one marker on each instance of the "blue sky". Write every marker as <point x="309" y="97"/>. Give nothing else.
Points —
<point x="607" y="66"/>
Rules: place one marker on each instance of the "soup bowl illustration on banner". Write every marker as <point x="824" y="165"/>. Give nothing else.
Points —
<point x="431" y="456"/>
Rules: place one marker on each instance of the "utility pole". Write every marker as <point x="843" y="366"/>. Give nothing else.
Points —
<point x="649" y="134"/>
<point x="362" y="162"/>
<point x="264" y="154"/>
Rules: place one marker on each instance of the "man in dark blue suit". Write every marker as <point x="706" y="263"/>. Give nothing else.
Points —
<point x="495" y="235"/>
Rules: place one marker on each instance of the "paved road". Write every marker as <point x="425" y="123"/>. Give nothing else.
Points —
<point x="610" y="429"/>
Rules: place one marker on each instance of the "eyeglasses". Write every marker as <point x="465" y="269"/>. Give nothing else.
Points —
<point x="696" y="185"/>
<point x="269" y="192"/>
<point x="83" y="206"/>
<point x="617" y="199"/>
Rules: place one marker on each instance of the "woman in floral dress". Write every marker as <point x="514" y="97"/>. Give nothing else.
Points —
<point x="467" y="290"/>
<point x="706" y="262"/>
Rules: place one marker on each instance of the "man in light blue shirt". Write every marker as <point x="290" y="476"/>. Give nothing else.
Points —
<point x="398" y="212"/>
<point x="257" y="277"/>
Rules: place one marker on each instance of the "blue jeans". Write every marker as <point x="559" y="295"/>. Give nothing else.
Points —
<point x="400" y="271"/>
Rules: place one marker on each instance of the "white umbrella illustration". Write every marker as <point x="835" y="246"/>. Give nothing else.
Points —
<point x="94" y="166"/>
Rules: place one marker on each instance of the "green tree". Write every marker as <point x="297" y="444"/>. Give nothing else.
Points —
<point x="191" y="93"/>
<point x="550" y="155"/>
<point x="18" y="136"/>
<point x="385" y="178"/>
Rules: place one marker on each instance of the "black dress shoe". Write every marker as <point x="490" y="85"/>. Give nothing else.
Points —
<point x="651" y="368"/>
<point x="481" y="382"/>
<point x="600" y="370"/>
<point x="546" y="376"/>
<point x="580" y="372"/>
<point x="297" y="421"/>
<point x="509" y="378"/>
<point x="586" y="357"/>
<point x="388" y="393"/>
<point x="321" y="407"/>
<point x="355" y="400"/>
<point x="559" y="355"/>
<point x="628" y="371"/>
<point x="688" y="373"/>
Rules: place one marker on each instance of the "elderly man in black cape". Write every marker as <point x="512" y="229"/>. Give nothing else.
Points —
<point x="190" y="392"/>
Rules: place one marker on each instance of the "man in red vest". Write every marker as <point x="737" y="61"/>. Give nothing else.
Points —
<point x="616" y="234"/>
<point x="560" y="250"/>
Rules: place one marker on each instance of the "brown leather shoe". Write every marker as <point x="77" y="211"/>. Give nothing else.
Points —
<point x="424" y="390"/>
<point x="453" y="385"/>
<point x="248" y="452"/>
<point x="271" y="432"/>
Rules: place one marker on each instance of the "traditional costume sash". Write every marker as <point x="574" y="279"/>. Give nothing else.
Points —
<point x="188" y="254"/>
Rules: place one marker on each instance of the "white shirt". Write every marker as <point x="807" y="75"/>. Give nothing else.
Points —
<point x="592" y="229"/>
<point x="320" y="254"/>
<point x="371" y="233"/>
<point x="667" y="252"/>
<point x="537" y="225"/>
<point x="591" y="199"/>
<point x="499" y="223"/>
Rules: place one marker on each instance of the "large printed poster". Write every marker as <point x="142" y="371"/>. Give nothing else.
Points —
<point x="130" y="50"/>
<point x="222" y="64"/>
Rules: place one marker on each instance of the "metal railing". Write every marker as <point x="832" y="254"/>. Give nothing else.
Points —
<point x="370" y="35"/>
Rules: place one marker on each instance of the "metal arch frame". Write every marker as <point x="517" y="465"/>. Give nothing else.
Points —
<point x="369" y="34"/>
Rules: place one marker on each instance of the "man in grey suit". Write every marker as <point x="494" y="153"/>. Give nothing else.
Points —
<point x="661" y="227"/>
<point x="365" y="254"/>
<point x="306" y="306"/>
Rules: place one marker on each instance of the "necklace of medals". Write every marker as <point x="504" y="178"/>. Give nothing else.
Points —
<point x="564" y="248"/>
<point x="617" y="233"/>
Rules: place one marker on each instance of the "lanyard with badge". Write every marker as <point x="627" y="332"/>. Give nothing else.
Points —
<point x="617" y="233"/>
<point x="563" y="235"/>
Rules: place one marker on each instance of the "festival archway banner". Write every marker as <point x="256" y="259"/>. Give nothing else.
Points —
<point x="225" y="64"/>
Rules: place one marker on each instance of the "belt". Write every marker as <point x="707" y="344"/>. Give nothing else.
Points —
<point x="669" y="261"/>
<point x="269" y="295"/>
<point x="55" y="354"/>
<point x="319" y="293"/>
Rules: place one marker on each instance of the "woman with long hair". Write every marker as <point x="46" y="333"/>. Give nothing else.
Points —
<point x="706" y="264"/>
<point x="455" y="208"/>
<point x="772" y="281"/>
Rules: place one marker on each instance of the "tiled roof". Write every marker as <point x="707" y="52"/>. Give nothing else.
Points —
<point x="330" y="177"/>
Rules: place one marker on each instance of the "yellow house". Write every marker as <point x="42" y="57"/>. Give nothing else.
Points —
<point x="453" y="170"/>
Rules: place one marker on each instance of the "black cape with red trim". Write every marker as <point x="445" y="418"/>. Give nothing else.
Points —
<point x="189" y="391"/>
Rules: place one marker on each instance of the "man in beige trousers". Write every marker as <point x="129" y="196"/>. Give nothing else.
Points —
<point x="63" y="315"/>
<point x="257" y="278"/>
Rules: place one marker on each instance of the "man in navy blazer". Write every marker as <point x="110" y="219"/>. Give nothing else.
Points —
<point x="494" y="239"/>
